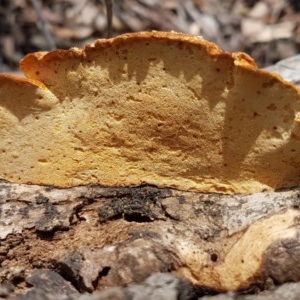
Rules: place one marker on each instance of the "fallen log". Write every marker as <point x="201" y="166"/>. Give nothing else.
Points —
<point x="95" y="237"/>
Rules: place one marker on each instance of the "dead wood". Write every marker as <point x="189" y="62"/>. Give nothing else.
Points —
<point x="89" y="238"/>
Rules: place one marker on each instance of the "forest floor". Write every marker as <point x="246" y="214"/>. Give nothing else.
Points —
<point x="268" y="30"/>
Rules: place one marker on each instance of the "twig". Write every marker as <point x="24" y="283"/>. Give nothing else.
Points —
<point x="43" y="25"/>
<point x="109" y="16"/>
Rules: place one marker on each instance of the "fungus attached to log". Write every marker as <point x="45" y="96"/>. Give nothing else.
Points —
<point x="167" y="109"/>
<point x="137" y="164"/>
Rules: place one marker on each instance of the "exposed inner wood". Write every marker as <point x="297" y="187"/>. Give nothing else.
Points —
<point x="99" y="237"/>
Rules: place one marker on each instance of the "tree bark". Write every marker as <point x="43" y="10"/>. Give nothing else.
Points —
<point x="86" y="239"/>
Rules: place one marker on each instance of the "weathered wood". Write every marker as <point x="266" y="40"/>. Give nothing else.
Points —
<point x="94" y="237"/>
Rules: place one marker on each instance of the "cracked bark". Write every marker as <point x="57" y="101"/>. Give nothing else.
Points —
<point x="91" y="241"/>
